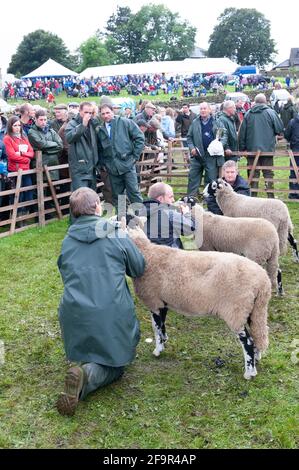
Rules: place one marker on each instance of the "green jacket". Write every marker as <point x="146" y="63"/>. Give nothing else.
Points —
<point x="120" y="153"/>
<point x="51" y="145"/>
<point x="194" y="139"/>
<point x="96" y="312"/>
<point x="287" y="113"/>
<point x="83" y="147"/>
<point x="258" y="130"/>
<point x="230" y="137"/>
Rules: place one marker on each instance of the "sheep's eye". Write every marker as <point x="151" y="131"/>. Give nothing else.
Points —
<point x="214" y="185"/>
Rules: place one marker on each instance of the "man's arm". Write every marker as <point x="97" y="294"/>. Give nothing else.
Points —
<point x="74" y="132"/>
<point x="137" y="137"/>
<point x="182" y="224"/>
<point x="134" y="260"/>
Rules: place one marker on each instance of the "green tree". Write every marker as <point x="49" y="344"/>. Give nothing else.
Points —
<point x="153" y="33"/>
<point x="244" y="36"/>
<point x="35" y="49"/>
<point x="93" y="53"/>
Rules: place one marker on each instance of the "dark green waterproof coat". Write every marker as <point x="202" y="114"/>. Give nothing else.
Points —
<point x="51" y="145"/>
<point x="96" y="312"/>
<point x="230" y="137"/>
<point x="120" y="153"/>
<point x="258" y="130"/>
<point x="83" y="147"/>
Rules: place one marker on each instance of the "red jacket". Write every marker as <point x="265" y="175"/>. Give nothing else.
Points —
<point x="15" y="161"/>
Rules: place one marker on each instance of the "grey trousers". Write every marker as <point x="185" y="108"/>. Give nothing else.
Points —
<point x="98" y="376"/>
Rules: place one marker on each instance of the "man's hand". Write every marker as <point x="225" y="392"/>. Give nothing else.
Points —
<point x="85" y="120"/>
<point x="228" y="153"/>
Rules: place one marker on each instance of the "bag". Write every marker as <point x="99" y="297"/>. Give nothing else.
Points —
<point x="3" y="167"/>
<point x="216" y="148"/>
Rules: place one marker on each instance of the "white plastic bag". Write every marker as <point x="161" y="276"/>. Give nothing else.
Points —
<point x="216" y="148"/>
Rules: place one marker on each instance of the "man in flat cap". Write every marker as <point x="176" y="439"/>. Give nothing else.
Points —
<point x="148" y="111"/>
<point x="60" y="111"/>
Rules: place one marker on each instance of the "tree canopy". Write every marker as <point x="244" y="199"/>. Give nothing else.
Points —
<point x="35" y="49"/>
<point x="243" y="35"/>
<point x="153" y="33"/>
<point x="93" y="53"/>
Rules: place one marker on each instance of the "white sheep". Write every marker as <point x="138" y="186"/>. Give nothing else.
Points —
<point x="197" y="283"/>
<point x="256" y="239"/>
<point x="273" y="210"/>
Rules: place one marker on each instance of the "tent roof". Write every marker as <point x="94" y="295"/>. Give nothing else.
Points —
<point x="50" y="68"/>
<point x="182" y="67"/>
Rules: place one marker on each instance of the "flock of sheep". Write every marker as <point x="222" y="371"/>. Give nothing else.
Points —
<point x="225" y="278"/>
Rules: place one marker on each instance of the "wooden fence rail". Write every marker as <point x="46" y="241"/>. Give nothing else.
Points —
<point x="51" y="198"/>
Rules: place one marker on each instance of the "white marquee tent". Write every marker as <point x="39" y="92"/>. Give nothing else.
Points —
<point x="50" y="68"/>
<point x="182" y="67"/>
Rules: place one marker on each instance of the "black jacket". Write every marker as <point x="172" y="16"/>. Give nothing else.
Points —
<point x="292" y="133"/>
<point x="240" y="186"/>
<point x="165" y="224"/>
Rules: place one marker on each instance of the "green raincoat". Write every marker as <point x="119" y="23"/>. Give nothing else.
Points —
<point x="96" y="312"/>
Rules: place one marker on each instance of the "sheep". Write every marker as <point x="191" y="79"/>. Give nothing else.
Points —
<point x="273" y="210"/>
<point x="256" y="239"/>
<point x="197" y="283"/>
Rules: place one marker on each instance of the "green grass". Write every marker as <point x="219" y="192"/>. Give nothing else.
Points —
<point x="180" y="400"/>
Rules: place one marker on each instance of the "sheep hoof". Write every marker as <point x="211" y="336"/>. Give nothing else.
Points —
<point x="157" y="352"/>
<point x="280" y="292"/>
<point x="257" y="355"/>
<point x="250" y="373"/>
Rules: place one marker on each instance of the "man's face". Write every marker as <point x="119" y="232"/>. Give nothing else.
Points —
<point x="231" y="110"/>
<point x="107" y="114"/>
<point x="149" y="111"/>
<point x="74" y="110"/>
<point x="185" y="110"/>
<point x="42" y="121"/>
<point x="230" y="175"/>
<point x="86" y="110"/>
<point x="204" y="111"/>
<point x="168" y="197"/>
<point x="60" y="114"/>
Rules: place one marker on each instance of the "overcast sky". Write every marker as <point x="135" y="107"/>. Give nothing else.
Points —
<point x="76" y="21"/>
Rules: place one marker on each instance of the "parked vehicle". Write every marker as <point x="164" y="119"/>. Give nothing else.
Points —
<point x="245" y="70"/>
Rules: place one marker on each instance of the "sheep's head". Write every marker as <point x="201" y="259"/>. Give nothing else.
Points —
<point x="223" y="187"/>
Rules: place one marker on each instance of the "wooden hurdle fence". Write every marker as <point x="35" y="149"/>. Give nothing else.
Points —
<point x="51" y="198"/>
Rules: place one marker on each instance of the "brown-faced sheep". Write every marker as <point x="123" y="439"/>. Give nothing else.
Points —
<point x="225" y="285"/>
<point x="256" y="239"/>
<point x="273" y="210"/>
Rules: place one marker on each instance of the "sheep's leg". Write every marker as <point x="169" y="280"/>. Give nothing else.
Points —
<point x="249" y="353"/>
<point x="293" y="244"/>
<point x="279" y="283"/>
<point x="158" y="323"/>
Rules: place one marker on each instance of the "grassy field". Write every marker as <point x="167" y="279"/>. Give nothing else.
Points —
<point x="193" y="396"/>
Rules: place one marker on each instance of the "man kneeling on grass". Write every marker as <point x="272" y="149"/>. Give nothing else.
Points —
<point x="99" y="326"/>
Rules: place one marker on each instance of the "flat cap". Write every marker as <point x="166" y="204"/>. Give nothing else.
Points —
<point x="142" y="123"/>
<point x="74" y="104"/>
<point x="60" y="106"/>
<point x="150" y="105"/>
